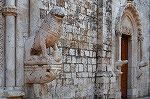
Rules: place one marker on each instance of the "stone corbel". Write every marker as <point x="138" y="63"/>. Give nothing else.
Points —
<point x="118" y="33"/>
<point x="119" y="64"/>
<point x="9" y="10"/>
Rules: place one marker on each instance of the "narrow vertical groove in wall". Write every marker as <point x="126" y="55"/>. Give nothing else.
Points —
<point x="29" y="28"/>
<point x="15" y="45"/>
<point x="4" y="52"/>
<point x="15" y="51"/>
<point x="2" y="58"/>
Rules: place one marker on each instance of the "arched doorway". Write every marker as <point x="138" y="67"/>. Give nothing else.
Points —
<point x="126" y="52"/>
<point x="128" y="30"/>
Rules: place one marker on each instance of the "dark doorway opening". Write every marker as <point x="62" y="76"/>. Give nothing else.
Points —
<point x="124" y="68"/>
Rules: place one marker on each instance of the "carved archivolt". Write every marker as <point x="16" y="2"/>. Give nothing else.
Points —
<point x="128" y="10"/>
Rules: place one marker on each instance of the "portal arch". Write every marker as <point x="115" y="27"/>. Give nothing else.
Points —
<point x="128" y="23"/>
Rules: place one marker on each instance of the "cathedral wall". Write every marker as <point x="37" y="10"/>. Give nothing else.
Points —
<point x="87" y="45"/>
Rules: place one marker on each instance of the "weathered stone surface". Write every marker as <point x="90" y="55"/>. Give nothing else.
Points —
<point x="89" y="48"/>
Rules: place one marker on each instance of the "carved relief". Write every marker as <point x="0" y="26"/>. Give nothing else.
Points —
<point x="128" y="8"/>
<point x="46" y="36"/>
<point x="126" y="26"/>
<point x="37" y="60"/>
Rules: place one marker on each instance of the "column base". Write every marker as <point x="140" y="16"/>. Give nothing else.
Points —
<point x="118" y="95"/>
<point x="10" y="92"/>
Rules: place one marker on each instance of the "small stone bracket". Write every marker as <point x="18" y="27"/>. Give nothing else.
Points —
<point x="119" y="64"/>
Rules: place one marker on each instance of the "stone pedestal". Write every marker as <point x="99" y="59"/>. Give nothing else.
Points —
<point x="36" y="79"/>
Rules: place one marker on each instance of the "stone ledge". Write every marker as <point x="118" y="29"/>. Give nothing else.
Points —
<point x="11" y="92"/>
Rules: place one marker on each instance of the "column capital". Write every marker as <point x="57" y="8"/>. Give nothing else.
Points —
<point x="118" y="33"/>
<point x="9" y="11"/>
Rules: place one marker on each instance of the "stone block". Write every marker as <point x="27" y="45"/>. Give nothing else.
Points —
<point x="90" y="68"/>
<point x="87" y="53"/>
<point x="79" y="75"/>
<point x="72" y="52"/>
<point x="94" y="68"/>
<point x="93" y="60"/>
<point x="82" y="52"/>
<point x="90" y="74"/>
<point x="74" y="60"/>
<point x="81" y="66"/>
<point x="67" y="68"/>
<point x="84" y="60"/>
<point x="69" y="59"/>
<point x="68" y="75"/>
<point x="85" y="74"/>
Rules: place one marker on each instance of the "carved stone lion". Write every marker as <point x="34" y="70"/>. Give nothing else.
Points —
<point x="46" y="36"/>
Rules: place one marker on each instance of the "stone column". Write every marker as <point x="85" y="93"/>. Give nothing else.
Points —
<point x="34" y="17"/>
<point x="10" y="51"/>
<point x="21" y="33"/>
<point x="120" y="47"/>
<point x="10" y="12"/>
<point x="119" y="67"/>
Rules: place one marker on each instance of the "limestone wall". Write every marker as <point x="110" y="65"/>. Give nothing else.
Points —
<point x="78" y="44"/>
<point x="87" y="45"/>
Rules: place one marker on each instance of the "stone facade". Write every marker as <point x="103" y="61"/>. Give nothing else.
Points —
<point x="89" y="44"/>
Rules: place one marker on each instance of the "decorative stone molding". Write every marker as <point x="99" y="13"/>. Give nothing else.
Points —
<point x="126" y="30"/>
<point x="9" y="10"/>
<point x="128" y="8"/>
<point x="140" y="37"/>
